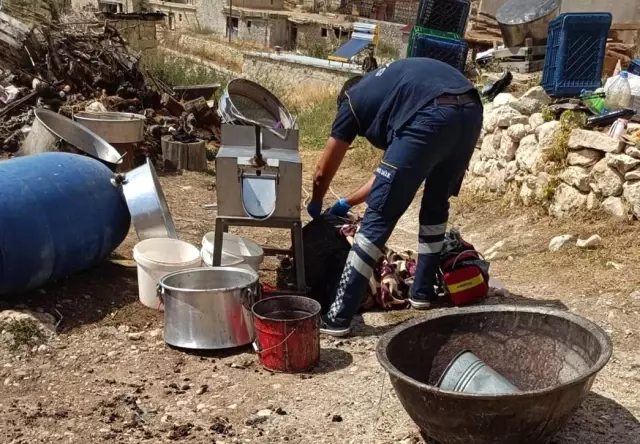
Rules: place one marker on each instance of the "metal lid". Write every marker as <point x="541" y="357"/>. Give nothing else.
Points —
<point x="519" y="12"/>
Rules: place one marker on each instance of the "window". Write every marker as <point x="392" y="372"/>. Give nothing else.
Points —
<point x="337" y="32"/>
<point x="179" y="17"/>
<point x="248" y="24"/>
<point x="271" y="2"/>
<point x="323" y="32"/>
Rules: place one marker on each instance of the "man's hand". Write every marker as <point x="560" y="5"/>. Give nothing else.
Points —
<point x="314" y="209"/>
<point x="340" y="208"/>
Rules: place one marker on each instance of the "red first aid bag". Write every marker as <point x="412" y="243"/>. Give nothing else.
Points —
<point x="463" y="280"/>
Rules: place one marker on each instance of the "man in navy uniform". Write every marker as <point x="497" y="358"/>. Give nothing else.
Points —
<point x="427" y="118"/>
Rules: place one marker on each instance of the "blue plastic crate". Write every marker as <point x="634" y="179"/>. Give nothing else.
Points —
<point x="444" y="15"/>
<point x="452" y="52"/>
<point x="575" y="53"/>
<point x="634" y="67"/>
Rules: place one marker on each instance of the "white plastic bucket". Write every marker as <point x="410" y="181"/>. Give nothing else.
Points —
<point x="157" y="258"/>
<point x="248" y="251"/>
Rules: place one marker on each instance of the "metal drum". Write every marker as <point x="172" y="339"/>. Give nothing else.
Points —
<point x="208" y="308"/>
<point x="467" y="373"/>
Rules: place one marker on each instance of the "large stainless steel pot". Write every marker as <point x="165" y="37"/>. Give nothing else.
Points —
<point x="54" y="132"/>
<point x="147" y="204"/>
<point x="114" y="127"/>
<point x="208" y="308"/>
<point x="523" y="19"/>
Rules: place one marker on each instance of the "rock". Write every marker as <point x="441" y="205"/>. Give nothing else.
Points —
<point x="592" y="201"/>
<point x="155" y="333"/>
<point x="497" y="137"/>
<point x="487" y="151"/>
<point x="202" y="389"/>
<point x="264" y="412"/>
<point x="622" y="163"/>
<point x="538" y="93"/>
<point x="546" y="135"/>
<point x="594" y="140"/>
<point x="558" y="242"/>
<point x="494" y="251"/>
<point x="519" y="120"/>
<point x="478" y="168"/>
<point x="476" y="185"/>
<point x="566" y="200"/>
<point x="632" y="175"/>
<point x="614" y="206"/>
<point x="508" y="146"/>
<point x="593" y="242"/>
<point x="527" y="106"/>
<point x="528" y="153"/>
<point x="496" y="175"/>
<point x="255" y="420"/>
<point x="535" y="120"/>
<point x="606" y="179"/>
<point x="631" y="194"/>
<point x="635" y="298"/>
<point x="503" y="99"/>
<point x="137" y="336"/>
<point x="44" y="323"/>
<point x="336" y="418"/>
<point x="533" y="188"/>
<point x="201" y="406"/>
<point x="577" y="177"/>
<point x="511" y="171"/>
<point x="501" y="117"/>
<point x="112" y="354"/>
<point x="517" y="132"/>
<point x="633" y="152"/>
<point x="585" y="158"/>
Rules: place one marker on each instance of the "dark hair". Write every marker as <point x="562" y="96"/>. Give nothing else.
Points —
<point x="346" y="87"/>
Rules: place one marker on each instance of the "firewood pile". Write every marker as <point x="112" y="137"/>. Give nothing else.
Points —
<point x="55" y="66"/>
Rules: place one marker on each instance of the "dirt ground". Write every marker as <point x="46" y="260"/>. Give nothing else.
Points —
<point x="107" y="375"/>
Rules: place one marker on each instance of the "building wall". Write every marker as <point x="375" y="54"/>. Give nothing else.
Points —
<point x="310" y="34"/>
<point x="623" y="11"/>
<point x="321" y="5"/>
<point x="219" y="52"/>
<point x="294" y="74"/>
<point x="390" y="34"/>
<point x="210" y="15"/>
<point x="259" y="4"/>
<point x="180" y="16"/>
<point x="403" y="12"/>
<point x="140" y="34"/>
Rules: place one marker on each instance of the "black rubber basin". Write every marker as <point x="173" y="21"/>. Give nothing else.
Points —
<point x="552" y="356"/>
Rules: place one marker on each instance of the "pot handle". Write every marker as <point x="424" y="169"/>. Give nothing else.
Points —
<point x="160" y="293"/>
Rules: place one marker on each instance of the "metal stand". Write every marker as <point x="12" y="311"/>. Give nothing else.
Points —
<point x="223" y="224"/>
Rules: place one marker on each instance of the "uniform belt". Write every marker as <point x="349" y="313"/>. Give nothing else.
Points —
<point x="460" y="99"/>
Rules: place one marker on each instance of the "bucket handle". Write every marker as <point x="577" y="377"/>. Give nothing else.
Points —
<point x="258" y="348"/>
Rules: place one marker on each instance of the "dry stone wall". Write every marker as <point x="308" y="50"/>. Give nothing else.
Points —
<point x="518" y="155"/>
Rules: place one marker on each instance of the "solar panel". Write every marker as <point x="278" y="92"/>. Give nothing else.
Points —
<point x="349" y="49"/>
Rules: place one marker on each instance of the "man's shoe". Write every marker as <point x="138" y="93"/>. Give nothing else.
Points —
<point x="329" y="328"/>
<point x="420" y="304"/>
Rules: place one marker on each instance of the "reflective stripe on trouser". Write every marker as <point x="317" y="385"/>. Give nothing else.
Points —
<point x="430" y="242"/>
<point x="355" y="277"/>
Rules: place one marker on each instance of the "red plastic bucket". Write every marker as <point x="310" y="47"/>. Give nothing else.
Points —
<point x="287" y="333"/>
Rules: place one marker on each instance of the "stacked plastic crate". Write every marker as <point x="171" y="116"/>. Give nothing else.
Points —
<point x="438" y="32"/>
<point x="575" y="53"/>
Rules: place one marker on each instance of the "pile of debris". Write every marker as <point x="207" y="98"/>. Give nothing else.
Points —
<point x="58" y="67"/>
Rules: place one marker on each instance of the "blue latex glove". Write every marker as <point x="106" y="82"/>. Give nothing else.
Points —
<point x="314" y="209"/>
<point x="340" y="208"/>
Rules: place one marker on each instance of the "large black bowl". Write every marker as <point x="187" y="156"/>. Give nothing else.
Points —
<point x="552" y="356"/>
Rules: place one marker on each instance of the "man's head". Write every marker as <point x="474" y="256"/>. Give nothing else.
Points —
<point x="342" y="96"/>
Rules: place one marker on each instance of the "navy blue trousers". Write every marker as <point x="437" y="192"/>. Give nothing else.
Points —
<point x="433" y="148"/>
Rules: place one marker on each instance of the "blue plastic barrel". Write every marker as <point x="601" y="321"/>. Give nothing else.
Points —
<point x="59" y="214"/>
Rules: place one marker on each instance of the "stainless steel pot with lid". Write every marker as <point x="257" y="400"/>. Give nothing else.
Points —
<point x="208" y="308"/>
<point x="523" y="19"/>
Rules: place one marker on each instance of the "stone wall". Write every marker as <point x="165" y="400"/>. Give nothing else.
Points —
<point x="310" y="34"/>
<point x="551" y="164"/>
<point x="210" y="15"/>
<point x="294" y="73"/>
<point x="225" y="55"/>
<point x="180" y="16"/>
<point x="390" y="34"/>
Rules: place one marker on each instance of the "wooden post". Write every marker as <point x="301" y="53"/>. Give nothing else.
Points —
<point x="172" y="105"/>
<point x="184" y="156"/>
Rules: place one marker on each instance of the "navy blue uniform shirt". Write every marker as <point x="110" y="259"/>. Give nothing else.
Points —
<point x="386" y="98"/>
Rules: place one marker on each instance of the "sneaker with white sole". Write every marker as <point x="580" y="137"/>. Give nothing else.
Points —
<point x="420" y="304"/>
<point x="329" y="328"/>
